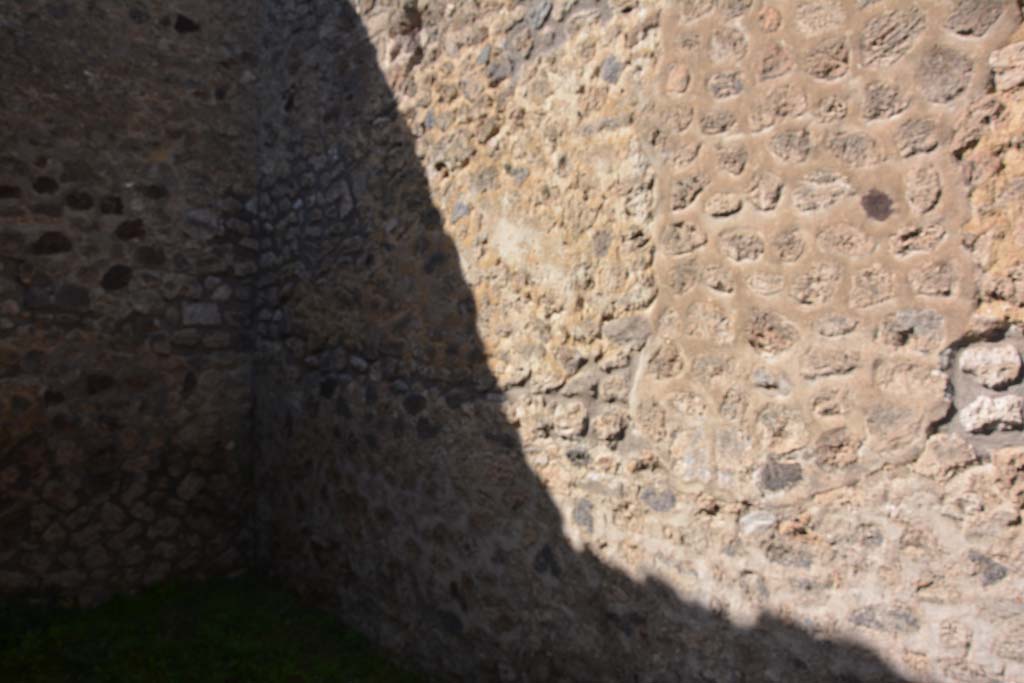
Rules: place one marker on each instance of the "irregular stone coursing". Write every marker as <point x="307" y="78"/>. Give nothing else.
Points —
<point x="125" y="258"/>
<point x="685" y="302"/>
<point x="595" y="340"/>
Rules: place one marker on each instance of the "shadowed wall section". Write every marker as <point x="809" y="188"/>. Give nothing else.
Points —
<point x="561" y="340"/>
<point x="126" y="153"/>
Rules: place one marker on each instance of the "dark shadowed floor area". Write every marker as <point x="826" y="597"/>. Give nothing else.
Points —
<point x="242" y="630"/>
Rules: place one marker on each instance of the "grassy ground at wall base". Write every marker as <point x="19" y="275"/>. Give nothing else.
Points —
<point x="224" y="631"/>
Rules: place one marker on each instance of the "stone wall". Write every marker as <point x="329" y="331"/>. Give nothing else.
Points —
<point x="586" y="340"/>
<point x="126" y="159"/>
<point x="640" y="341"/>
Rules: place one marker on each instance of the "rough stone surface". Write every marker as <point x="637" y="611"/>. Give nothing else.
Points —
<point x="591" y="340"/>
<point x="994" y="365"/>
<point x="986" y="414"/>
<point x="118" y="127"/>
<point x="1008" y="66"/>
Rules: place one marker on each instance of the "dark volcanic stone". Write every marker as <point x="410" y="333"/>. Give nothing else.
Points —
<point x="877" y="205"/>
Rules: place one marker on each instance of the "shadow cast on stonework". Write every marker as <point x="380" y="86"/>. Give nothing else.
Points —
<point x="393" y="487"/>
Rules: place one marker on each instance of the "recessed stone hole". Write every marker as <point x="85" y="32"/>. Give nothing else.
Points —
<point x="153" y="191"/>
<point x="61" y="422"/>
<point x="189" y="385"/>
<point x="150" y="257"/>
<point x="59" y="10"/>
<point x="116" y="278"/>
<point x="20" y="404"/>
<point x="52" y="397"/>
<point x="184" y="24"/>
<point x="79" y="201"/>
<point x="111" y="205"/>
<point x="578" y="456"/>
<point x="414" y="403"/>
<point x="327" y="388"/>
<point x="51" y="243"/>
<point x="45" y="185"/>
<point x="77" y="172"/>
<point x="138" y="15"/>
<point x="131" y="229"/>
<point x="95" y="384"/>
<point x="425" y="429"/>
<point x="9" y="192"/>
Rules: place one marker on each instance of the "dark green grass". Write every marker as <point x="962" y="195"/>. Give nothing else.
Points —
<point x="223" y="631"/>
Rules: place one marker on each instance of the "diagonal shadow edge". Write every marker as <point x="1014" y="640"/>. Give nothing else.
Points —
<point x="392" y="487"/>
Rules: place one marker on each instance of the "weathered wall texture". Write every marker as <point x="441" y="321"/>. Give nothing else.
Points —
<point x="126" y="149"/>
<point x="595" y="340"/>
<point x="684" y="376"/>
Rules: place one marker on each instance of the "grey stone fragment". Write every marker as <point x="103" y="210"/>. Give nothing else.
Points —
<point x="756" y="521"/>
<point x="918" y="329"/>
<point x="990" y="570"/>
<point x="771" y="333"/>
<point x="728" y="43"/>
<point x="583" y="514"/>
<point x="742" y="245"/>
<point x="988" y="414"/>
<point x="937" y="279"/>
<point x="836" y="325"/>
<point x="461" y="210"/>
<point x="882" y="100"/>
<point x="828" y="60"/>
<point x="789" y="245"/>
<point x="916" y="136"/>
<point x="994" y="365"/>
<point x="820" y="190"/>
<point x="815" y="16"/>
<point x="765" y="379"/>
<point x="538" y="13"/>
<point x="891" y="619"/>
<point x="682" y="238"/>
<point x="734" y="8"/>
<point x="778" y="476"/>
<point x="944" y="456"/>
<point x="827" y="362"/>
<point x="733" y="158"/>
<point x="686" y="189"/>
<point x="943" y="73"/>
<point x="723" y="204"/>
<point x="1008" y="66"/>
<point x="788" y="556"/>
<point x="727" y="84"/>
<point x="715" y="122"/>
<point x="924" y="187"/>
<point x="792" y="145"/>
<point x="765" y="191"/>
<point x="853" y="148"/>
<point x="659" y="500"/>
<point x="200" y="314"/>
<point x="633" y="331"/>
<point x="611" y="69"/>
<point x="889" y="36"/>
<point x="974" y="17"/>
<point x="498" y="70"/>
<point x="694" y="9"/>
<point x="682" y="275"/>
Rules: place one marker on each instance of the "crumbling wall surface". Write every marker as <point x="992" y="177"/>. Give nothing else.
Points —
<point x="638" y="341"/>
<point x="126" y="153"/>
